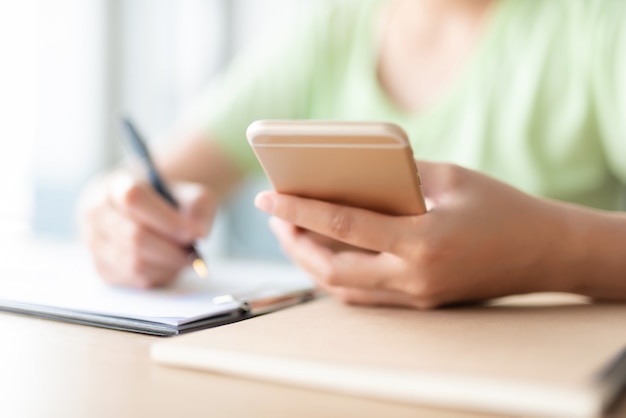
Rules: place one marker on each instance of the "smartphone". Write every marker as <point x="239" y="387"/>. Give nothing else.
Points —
<point x="367" y="165"/>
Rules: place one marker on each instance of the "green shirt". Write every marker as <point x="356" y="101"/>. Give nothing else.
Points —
<point x="541" y="105"/>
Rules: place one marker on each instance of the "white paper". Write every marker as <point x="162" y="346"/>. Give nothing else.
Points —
<point x="62" y="276"/>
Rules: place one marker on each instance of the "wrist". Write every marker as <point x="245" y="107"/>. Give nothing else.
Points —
<point x="586" y="254"/>
<point x="562" y="249"/>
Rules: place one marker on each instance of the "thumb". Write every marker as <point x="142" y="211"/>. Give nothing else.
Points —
<point x="197" y="205"/>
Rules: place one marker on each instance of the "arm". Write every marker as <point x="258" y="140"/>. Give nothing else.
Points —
<point x="198" y="159"/>
<point x="481" y="239"/>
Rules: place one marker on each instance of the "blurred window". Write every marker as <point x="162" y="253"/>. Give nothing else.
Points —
<point x="91" y="60"/>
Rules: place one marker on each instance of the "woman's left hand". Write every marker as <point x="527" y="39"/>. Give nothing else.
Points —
<point x="480" y="239"/>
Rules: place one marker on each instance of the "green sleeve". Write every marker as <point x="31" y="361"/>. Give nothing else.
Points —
<point x="268" y="82"/>
<point x="609" y="82"/>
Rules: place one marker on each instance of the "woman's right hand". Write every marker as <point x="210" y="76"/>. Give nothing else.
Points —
<point x="136" y="238"/>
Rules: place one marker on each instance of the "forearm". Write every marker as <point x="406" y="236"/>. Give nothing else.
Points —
<point x="590" y="256"/>
<point x="196" y="159"/>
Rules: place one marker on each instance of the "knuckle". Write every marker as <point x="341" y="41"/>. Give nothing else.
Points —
<point x="132" y="195"/>
<point x="330" y="277"/>
<point x="344" y="296"/>
<point x="453" y="175"/>
<point x="430" y="256"/>
<point x="198" y="199"/>
<point x="136" y="236"/>
<point x="341" y="223"/>
<point x="206" y="198"/>
<point x="426" y="284"/>
<point x="426" y="290"/>
<point x="202" y="208"/>
<point x="422" y="290"/>
<point x="426" y="305"/>
<point x="327" y="275"/>
<point x="397" y="243"/>
<point x="430" y="251"/>
<point x="138" y="268"/>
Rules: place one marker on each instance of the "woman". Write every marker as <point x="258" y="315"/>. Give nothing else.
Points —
<point x="532" y="94"/>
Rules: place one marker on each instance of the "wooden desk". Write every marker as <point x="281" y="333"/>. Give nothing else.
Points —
<point x="50" y="369"/>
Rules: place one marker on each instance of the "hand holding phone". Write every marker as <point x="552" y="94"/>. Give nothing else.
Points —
<point x="368" y="165"/>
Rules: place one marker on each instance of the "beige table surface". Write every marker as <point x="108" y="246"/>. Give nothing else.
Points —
<point x="53" y="369"/>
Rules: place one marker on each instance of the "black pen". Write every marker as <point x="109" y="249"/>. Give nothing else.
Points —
<point x="139" y="148"/>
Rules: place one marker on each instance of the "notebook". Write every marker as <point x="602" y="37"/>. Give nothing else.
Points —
<point x="537" y="355"/>
<point x="58" y="282"/>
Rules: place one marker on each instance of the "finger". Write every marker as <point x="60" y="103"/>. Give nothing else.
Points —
<point x="116" y="268"/>
<point x="136" y="254"/>
<point x="142" y="243"/>
<point x="143" y="204"/>
<point x="152" y="249"/>
<point x="354" y="226"/>
<point x="301" y="249"/>
<point x="343" y="269"/>
<point x="332" y="244"/>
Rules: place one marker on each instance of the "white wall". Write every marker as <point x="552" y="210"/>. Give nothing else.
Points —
<point x="73" y="94"/>
<point x="96" y="60"/>
<point x="17" y="110"/>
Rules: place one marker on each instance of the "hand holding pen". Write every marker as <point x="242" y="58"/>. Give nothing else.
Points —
<point x="140" y="149"/>
<point x="136" y="236"/>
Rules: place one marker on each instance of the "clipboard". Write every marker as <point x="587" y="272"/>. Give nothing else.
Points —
<point x="64" y="286"/>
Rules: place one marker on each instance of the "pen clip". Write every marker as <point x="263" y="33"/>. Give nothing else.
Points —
<point x="227" y="298"/>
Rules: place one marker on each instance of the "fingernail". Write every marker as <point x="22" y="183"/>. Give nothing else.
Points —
<point x="274" y="223"/>
<point x="265" y="202"/>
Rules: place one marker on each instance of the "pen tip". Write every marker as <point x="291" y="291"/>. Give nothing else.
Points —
<point x="200" y="267"/>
